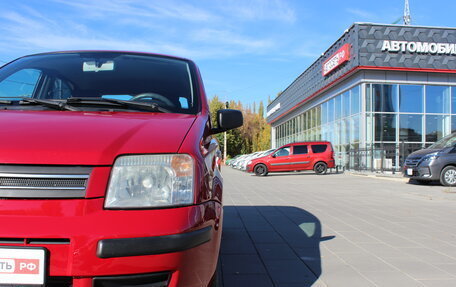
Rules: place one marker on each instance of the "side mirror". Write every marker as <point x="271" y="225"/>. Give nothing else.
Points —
<point x="273" y="155"/>
<point x="227" y="120"/>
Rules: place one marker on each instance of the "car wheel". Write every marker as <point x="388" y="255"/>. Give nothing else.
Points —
<point x="320" y="168"/>
<point x="261" y="170"/>
<point x="448" y="176"/>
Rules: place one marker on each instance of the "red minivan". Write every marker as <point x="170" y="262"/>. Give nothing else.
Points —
<point x="109" y="173"/>
<point x="317" y="156"/>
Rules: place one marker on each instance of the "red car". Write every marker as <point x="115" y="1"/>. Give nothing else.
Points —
<point x="317" y="156"/>
<point x="109" y="174"/>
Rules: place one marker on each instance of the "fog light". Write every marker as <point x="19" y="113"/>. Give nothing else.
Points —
<point x="424" y="171"/>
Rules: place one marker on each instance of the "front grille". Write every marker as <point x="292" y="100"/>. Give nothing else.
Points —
<point x="137" y="280"/>
<point x="411" y="162"/>
<point x="43" y="181"/>
<point x="34" y="241"/>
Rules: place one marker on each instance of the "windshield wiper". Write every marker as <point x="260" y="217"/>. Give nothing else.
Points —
<point x="153" y="107"/>
<point x="62" y="106"/>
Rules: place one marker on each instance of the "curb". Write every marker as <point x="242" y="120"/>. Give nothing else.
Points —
<point x="379" y="176"/>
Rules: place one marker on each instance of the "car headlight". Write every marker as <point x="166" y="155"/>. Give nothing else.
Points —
<point x="250" y="162"/>
<point x="142" y="181"/>
<point x="430" y="157"/>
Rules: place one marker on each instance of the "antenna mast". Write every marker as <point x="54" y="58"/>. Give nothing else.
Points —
<point x="407" y="17"/>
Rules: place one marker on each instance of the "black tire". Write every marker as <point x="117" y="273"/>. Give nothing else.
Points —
<point x="320" y="168"/>
<point x="261" y="170"/>
<point x="448" y="176"/>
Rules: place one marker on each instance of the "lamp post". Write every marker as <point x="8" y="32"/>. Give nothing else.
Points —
<point x="224" y="140"/>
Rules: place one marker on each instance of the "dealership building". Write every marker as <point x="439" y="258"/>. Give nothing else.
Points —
<point x="377" y="94"/>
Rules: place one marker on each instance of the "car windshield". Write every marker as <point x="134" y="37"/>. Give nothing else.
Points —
<point x="448" y="141"/>
<point x="158" y="80"/>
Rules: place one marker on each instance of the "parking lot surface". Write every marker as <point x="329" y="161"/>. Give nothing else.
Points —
<point x="302" y="229"/>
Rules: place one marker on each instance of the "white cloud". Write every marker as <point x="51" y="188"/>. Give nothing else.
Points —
<point x="365" y="15"/>
<point x="140" y="8"/>
<point x="254" y="10"/>
<point x="169" y="27"/>
<point x="230" y="38"/>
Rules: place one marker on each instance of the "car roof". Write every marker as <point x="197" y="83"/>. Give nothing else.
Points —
<point x="109" y="51"/>
<point x="308" y="142"/>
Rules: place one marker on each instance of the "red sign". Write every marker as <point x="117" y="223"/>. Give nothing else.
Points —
<point x="19" y="266"/>
<point x="338" y="58"/>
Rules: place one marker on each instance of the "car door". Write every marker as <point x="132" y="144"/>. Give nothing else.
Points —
<point x="280" y="159"/>
<point x="300" y="157"/>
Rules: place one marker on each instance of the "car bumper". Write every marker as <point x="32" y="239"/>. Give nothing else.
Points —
<point x="87" y="243"/>
<point x="425" y="172"/>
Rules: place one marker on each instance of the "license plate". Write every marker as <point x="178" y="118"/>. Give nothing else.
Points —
<point x="20" y="266"/>
<point x="409" y="171"/>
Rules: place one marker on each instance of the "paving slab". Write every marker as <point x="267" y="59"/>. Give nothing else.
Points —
<point x="300" y="229"/>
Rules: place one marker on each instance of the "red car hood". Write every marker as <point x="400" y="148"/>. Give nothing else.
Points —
<point x="87" y="138"/>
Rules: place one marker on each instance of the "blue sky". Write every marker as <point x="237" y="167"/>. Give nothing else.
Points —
<point x="247" y="50"/>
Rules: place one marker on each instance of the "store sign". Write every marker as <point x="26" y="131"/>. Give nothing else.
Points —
<point x="273" y="110"/>
<point x="341" y="56"/>
<point x="419" y="47"/>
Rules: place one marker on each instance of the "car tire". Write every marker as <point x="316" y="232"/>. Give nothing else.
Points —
<point x="448" y="176"/>
<point x="320" y="168"/>
<point x="261" y="170"/>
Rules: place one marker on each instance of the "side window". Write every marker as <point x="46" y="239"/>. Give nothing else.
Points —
<point x="20" y="84"/>
<point x="319" y="148"/>
<point x="300" y="149"/>
<point x="283" y="151"/>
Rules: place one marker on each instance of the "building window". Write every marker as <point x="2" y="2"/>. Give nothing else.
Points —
<point x="346" y="104"/>
<point x="410" y="128"/>
<point x="453" y="100"/>
<point x="437" y="99"/>
<point x="355" y="101"/>
<point x="435" y="127"/>
<point x="338" y="106"/>
<point x="385" y="127"/>
<point x="354" y="126"/>
<point x="453" y="124"/>
<point x="331" y="110"/>
<point x="324" y="113"/>
<point x="410" y="99"/>
<point x="385" y="98"/>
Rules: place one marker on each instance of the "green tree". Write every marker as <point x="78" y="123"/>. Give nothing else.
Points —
<point x="254" y="135"/>
<point x="261" y="110"/>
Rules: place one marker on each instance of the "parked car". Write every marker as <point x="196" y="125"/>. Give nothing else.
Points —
<point x="317" y="156"/>
<point x="243" y="164"/>
<point x="238" y="161"/>
<point x="435" y="163"/>
<point x="109" y="174"/>
<point x="228" y="161"/>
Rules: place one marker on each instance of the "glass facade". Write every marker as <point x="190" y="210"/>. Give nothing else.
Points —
<point x="372" y="123"/>
<point x="336" y="120"/>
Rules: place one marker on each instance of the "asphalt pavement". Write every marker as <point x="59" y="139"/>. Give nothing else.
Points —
<point x="302" y="229"/>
